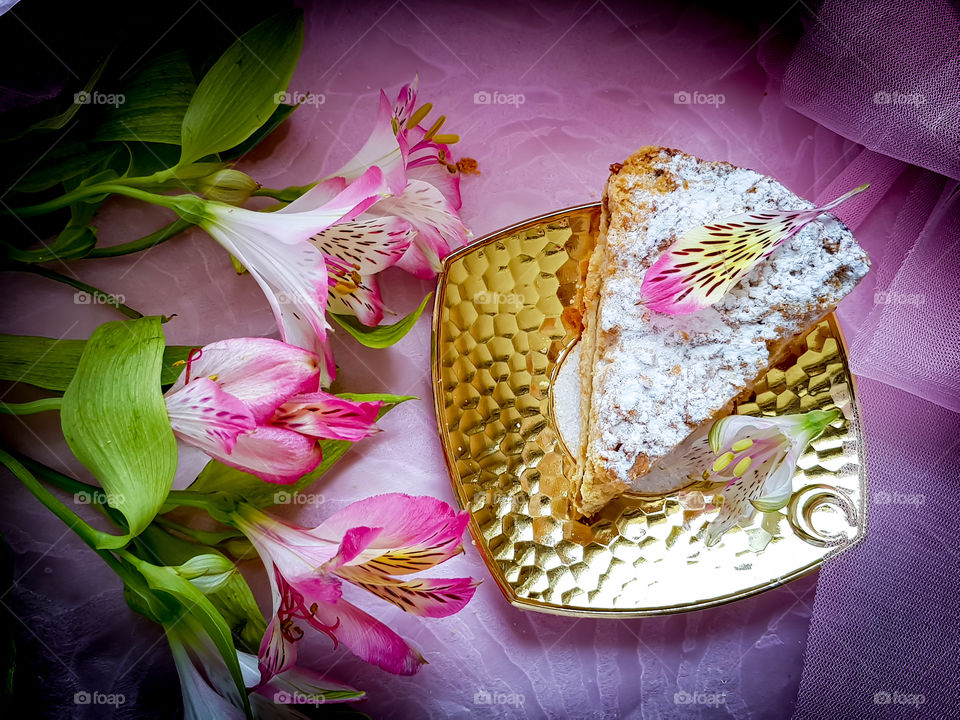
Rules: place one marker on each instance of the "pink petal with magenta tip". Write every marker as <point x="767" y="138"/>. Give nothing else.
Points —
<point x="369" y="639"/>
<point x="417" y="532"/>
<point x="205" y="416"/>
<point x="274" y="455"/>
<point x="323" y="415"/>
<point x="382" y="150"/>
<point x="260" y="372"/>
<point x="426" y="597"/>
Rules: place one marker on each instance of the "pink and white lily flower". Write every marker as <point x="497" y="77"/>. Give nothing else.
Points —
<point x="255" y="404"/>
<point x="415" y="227"/>
<point x="275" y="248"/>
<point x="760" y="456"/>
<point x="368" y="544"/>
<point x="210" y="692"/>
<point x="355" y="252"/>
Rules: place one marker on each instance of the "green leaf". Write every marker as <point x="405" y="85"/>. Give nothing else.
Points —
<point x="243" y="88"/>
<point x="166" y="580"/>
<point x="51" y="364"/>
<point x="380" y="336"/>
<point x="76" y="240"/>
<point x="233" y="598"/>
<point x="147" y="158"/>
<point x="282" y="112"/>
<point x="64" y="162"/>
<point x="154" y="103"/>
<point x="216" y="476"/>
<point x="389" y="401"/>
<point x="115" y="420"/>
<point x="59" y="121"/>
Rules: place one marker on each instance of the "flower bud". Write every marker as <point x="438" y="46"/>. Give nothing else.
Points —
<point x="228" y="186"/>
<point x="207" y="572"/>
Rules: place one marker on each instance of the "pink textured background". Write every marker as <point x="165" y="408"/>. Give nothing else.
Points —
<point x="598" y="80"/>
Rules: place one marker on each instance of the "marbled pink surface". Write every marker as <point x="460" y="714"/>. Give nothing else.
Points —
<point x="597" y="80"/>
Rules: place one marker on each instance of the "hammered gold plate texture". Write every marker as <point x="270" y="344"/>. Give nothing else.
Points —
<point x="506" y="314"/>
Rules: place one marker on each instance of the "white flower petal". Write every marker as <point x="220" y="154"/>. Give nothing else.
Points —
<point x="294" y="280"/>
<point x="367" y="246"/>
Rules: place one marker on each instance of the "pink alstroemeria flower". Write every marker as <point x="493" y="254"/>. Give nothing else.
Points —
<point x="430" y="200"/>
<point x="760" y="456"/>
<point x="367" y="544"/>
<point x="355" y="252"/>
<point x="414" y="228"/>
<point x="700" y="267"/>
<point x="275" y="248"/>
<point x="255" y="404"/>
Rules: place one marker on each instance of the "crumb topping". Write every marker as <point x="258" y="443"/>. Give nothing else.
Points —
<point x="660" y="376"/>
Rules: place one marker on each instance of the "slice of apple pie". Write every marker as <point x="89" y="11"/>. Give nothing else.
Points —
<point x="703" y="277"/>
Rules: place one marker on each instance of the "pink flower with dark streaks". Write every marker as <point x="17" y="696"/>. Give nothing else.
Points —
<point x="255" y="404"/>
<point x="369" y="543"/>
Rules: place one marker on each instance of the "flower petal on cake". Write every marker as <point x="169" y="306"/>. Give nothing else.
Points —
<point x="699" y="268"/>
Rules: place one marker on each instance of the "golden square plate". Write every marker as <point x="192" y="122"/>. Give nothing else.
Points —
<point x="506" y="316"/>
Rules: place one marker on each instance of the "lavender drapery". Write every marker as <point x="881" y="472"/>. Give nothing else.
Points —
<point x="598" y="80"/>
<point x="885" y="633"/>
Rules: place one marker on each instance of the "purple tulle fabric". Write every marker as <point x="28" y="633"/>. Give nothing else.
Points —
<point x="885" y="632"/>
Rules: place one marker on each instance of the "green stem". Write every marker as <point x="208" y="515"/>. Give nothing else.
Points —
<point x="177" y="498"/>
<point x="148" y="197"/>
<point x="286" y="195"/>
<point x="121" y="186"/>
<point x="144" y="243"/>
<point x="204" y="537"/>
<point x="157" y="178"/>
<point x="56" y="204"/>
<point x="59" y="480"/>
<point x="30" y="408"/>
<point x="99" y="295"/>
<point x="93" y="538"/>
